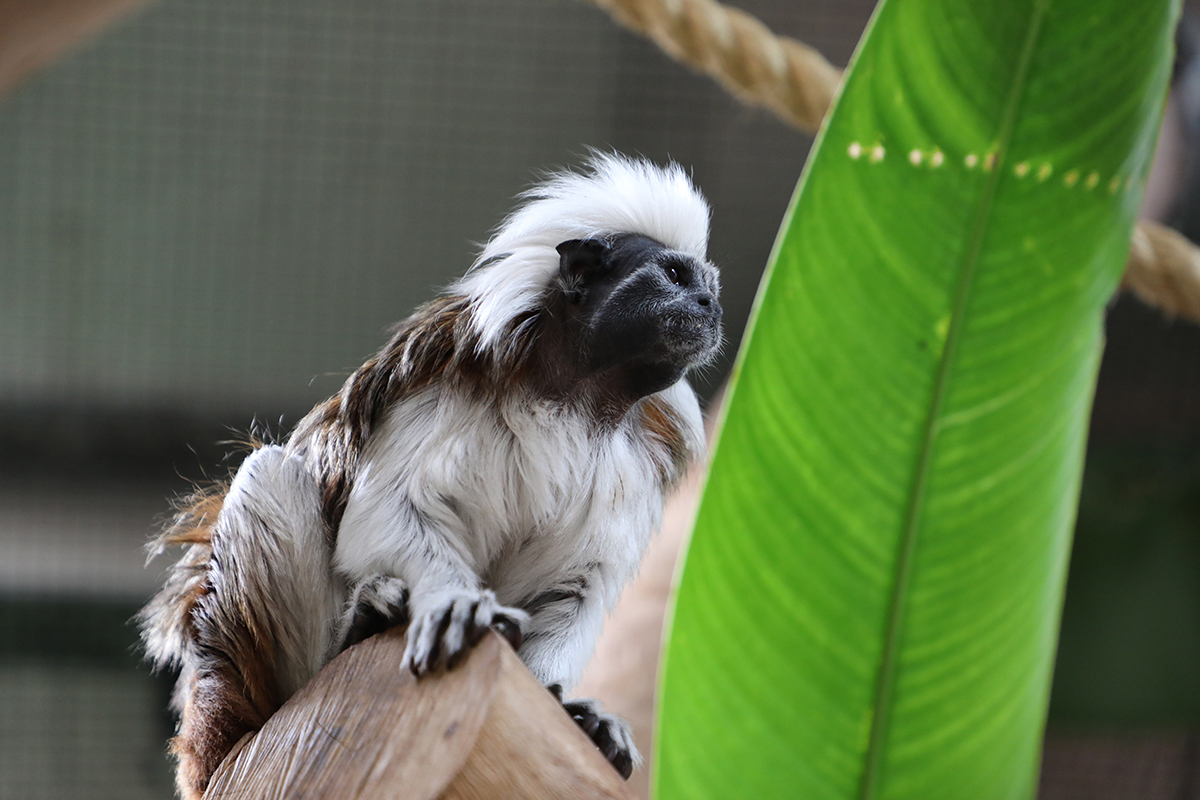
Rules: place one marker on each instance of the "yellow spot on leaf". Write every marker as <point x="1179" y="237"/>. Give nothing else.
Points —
<point x="941" y="329"/>
<point x="1093" y="179"/>
<point x="915" y="158"/>
<point x="971" y="160"/>
<point x="989" y="161"/>
<point x="1044" y="171"/>
<point x="937" y="159"/>
<point x="877" y="153"/>
<point x="1071" y="178"/>
<point x="1022" y="169"/>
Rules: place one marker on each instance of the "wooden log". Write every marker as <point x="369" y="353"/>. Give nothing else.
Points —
<point x="35" y="32"/>
<point x="364" y="728"/>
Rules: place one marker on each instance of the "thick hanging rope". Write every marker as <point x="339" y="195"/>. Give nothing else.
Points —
<point x="789" y="78"/>
<point x="1164" y="270"/>
<point x="797" y="84"/>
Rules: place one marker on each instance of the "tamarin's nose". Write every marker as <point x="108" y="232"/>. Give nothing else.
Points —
<point x="708" y="304"/>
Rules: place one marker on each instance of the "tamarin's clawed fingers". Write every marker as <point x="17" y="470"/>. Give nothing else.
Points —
<point x="376" y="605"/>
<point x="448" y="625"/>
<point x="610" y="733"/>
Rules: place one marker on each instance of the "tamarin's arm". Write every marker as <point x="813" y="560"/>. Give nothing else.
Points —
<point x="386" y="536"/>
<point x="564" y="623"/>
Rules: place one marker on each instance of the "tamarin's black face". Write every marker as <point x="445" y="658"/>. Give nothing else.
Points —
<point x="638" y="314"/>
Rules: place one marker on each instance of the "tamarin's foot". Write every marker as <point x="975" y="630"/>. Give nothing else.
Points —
<point x="377" y="604"/>
<point x="610" y="733"/>
<point x="447" y="625"/>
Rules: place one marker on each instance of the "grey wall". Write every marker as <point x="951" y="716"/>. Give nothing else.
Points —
<point x="219" y="206"/>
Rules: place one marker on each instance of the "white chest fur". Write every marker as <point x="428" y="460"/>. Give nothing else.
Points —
<point x="513" y="497"/>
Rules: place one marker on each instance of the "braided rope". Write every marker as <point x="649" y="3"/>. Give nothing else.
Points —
<point x="788" y="78"/>
<point x="1164" y="271"/>
<point x="796" y="83"/>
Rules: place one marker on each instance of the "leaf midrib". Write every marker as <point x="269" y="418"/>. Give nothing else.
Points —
<point x="885" y="682"/>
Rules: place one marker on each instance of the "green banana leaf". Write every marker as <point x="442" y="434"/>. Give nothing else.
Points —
<point x="870" y="601"/>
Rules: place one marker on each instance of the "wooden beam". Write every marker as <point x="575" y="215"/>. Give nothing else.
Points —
<point x="33" y="33"/>
<point x="364" y="728"/>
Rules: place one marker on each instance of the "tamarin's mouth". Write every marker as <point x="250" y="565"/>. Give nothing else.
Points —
<point x="695" y="339"/>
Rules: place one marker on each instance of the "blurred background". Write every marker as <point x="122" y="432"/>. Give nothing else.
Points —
<point x="211" y="210"/>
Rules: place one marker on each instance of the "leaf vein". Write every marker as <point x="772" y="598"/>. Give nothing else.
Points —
<point x="885" y="682"/>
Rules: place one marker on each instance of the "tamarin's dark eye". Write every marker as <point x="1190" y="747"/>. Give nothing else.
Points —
<point x="672" y="275"/>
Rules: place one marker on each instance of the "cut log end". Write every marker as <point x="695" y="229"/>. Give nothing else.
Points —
<point x="365" y="728"/>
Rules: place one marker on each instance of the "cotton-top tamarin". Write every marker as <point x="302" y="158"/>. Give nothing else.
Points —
<point x="500" y="463"/>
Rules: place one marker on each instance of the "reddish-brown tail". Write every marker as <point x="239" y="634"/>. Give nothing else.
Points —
<point x="248" y="611"/>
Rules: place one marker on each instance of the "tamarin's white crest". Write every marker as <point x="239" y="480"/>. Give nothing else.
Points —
<point x="501" y="463"/>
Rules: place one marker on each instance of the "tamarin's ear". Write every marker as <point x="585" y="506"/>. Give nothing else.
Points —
<point x="580" y="259"/>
